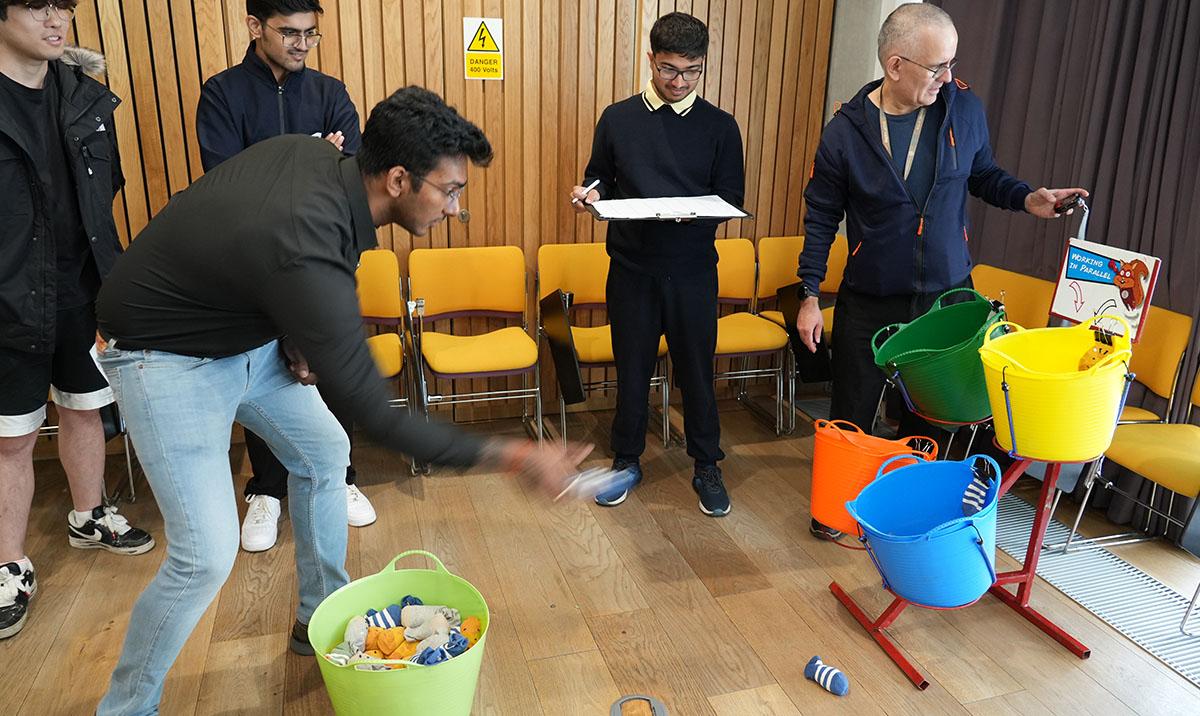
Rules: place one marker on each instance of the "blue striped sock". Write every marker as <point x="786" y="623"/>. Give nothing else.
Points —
<point x="829" y="678"/>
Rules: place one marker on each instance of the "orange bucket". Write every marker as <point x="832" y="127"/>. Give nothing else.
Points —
<point x="845" y="460"/>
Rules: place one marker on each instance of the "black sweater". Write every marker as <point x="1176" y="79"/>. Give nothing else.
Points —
<point x="264" y="246"/>
<point x="639" y="153"/>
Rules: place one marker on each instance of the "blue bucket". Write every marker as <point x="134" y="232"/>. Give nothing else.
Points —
<point x="918" y="532"/>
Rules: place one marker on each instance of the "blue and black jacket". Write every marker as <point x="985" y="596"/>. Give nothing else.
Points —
<point x="898" y="247"/>
<point x="243" y="106"/>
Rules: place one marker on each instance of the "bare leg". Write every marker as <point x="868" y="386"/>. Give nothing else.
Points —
<point x="81" y="449"/>
<point x="16" y="494"/>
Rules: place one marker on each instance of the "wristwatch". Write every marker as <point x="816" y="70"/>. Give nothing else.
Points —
<point x="805" y="293"/>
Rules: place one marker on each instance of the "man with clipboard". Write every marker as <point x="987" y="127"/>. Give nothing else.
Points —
<point x="898" y="161"/>
<point x="666" y="142"/>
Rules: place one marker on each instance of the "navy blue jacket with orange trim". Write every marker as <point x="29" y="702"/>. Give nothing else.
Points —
<point x="898" y="247"/>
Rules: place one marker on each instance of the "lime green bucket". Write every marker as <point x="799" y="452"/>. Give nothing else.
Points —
<point x="934" y="360"/>
<point x="444" y="688"/>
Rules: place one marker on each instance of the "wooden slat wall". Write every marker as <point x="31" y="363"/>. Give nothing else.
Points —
<point x="564" y="62"/>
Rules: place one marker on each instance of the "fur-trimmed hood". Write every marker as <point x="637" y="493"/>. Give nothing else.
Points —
<point x="90" y="61"/>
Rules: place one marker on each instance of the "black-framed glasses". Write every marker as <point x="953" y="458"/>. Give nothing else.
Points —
<point x="64" y="12"/>
<point x="934" y="72"/>
<point x="293" y="38"/>
<point x="670" y="73"/>
<point x="452" y="194"/>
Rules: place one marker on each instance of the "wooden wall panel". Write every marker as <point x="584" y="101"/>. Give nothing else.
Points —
<point x="565" y="61"/>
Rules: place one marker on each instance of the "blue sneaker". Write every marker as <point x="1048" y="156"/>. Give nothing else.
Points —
<point x="618" y="495"/>
<point x="707" y="482"/>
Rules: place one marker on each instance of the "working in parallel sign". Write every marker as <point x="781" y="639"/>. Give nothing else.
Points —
<point x="483" y="48"/>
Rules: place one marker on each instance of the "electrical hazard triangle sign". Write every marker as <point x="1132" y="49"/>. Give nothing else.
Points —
<point x="483" y="41"/>
<point x="483" y="48"/>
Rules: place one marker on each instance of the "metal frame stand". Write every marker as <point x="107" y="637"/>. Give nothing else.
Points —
<point x="1023" y="579"/>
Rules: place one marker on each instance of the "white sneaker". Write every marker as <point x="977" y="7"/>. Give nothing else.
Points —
<point x="359" y="512"/>
<point x="261" y="526"/>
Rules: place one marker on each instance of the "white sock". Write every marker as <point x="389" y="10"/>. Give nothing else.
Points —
<point x="79" y="519"/>
<point x="24" y="563"/>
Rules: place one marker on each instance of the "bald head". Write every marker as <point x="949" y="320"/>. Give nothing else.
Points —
<point x="907" y="28"/>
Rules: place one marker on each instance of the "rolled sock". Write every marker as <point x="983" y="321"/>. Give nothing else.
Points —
<point x="456" y="643"/>
<point x="433" y="641"/>
<point x="356" y="634"/>
<point x="388" y="641"/>
<point x="429" y="657"/>
<point x="826" y="676"/>
<point x="471" y="629"/>
<point x="410" y="600"/>
<point x="421" y="621"/>
<point x="341" y="654"/>
<point x="386" y="618"/>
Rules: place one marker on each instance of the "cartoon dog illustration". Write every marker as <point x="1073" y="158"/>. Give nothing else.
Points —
<point x="1128" y="280"/>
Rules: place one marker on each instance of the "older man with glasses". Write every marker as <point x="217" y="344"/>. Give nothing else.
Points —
<point x="271" y="93"/>
<point x="898" y="161"/>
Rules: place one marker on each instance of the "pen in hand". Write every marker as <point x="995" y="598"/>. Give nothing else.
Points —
<point x="586" y="189"/>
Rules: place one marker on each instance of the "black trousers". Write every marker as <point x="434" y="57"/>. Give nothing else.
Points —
<point x="684" y="308"/>
<point x="857" y="382"/>
<point x="269" y="475"/>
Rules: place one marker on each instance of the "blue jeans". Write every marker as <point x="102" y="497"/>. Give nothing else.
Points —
<point x="179" y="411"/>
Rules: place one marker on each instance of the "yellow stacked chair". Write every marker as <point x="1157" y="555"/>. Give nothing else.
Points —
<point x="744" y="335"/>
<point x="581" y="270"/>
<point x="473" y="282"/>
<point x="382" y="304"/>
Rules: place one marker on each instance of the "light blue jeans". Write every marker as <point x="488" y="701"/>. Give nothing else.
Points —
<point x="179" y="411"/>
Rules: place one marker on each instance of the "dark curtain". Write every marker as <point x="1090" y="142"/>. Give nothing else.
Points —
<point x="1102" y="94"/>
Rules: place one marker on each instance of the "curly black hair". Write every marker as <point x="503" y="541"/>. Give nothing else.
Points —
<point x="5" y="4"/>
<point x="679" y="34"/>
<point x="266" y="9"/>
<point x="415" y="129"/>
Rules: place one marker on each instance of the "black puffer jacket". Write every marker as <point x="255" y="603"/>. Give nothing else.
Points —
<point x="28" y="258"/>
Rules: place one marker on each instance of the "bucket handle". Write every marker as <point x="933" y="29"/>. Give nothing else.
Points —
<point x="890" y="329"/>
<point x="919" y="457"/>
<point x="875" y="561"/>
<point x="385" y="662"/>
<point x="408" y="553"/>
<point x="991" y="334"/>
<point x="928" y="454"/>
<point x="982" y="552"/>
<point x="938" y="303"/>
<point x="836" y="427"/>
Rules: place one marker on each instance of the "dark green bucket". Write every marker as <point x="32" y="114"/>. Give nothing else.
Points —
<point x="934" y="360"/>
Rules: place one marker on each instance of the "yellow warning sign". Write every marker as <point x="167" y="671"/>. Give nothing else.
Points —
<point x="483" y="43"/>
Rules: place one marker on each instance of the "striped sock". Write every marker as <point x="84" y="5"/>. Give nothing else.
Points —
<point x="828" y="677"/>
<point x="975" y="496"/>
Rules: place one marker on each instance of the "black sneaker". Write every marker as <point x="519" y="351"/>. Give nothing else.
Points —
<point x="299" y="641"/>
<point x="108" y="530"/>
<point x="707" y="482"/>
<point x="824" y="532"/>
<point x="16" y="588"/>
<point x="616" y="497"/>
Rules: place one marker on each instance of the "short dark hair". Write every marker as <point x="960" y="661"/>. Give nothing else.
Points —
<point x="5" y="4"/>
<point x="266" y="9"/>
<point x="679" y="34"/>
<point x="415" y="129"/>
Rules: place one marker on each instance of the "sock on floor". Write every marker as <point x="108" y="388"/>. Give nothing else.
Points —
<point x="828" y="677"/>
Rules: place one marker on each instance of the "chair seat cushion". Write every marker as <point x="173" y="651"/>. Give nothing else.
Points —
<point x="1165" y="454"/>
<point x="594" y="344"/>
<point x="1134" y="413"/>
<point x="746" y="333"/>
<point x="503" y="350"/>
<point x="388" y="353"/>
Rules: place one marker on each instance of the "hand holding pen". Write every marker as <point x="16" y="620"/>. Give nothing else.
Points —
<point x="583" y="195"/>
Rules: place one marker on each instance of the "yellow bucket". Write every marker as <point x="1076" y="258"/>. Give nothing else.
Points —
<point x="1045" y="405"/>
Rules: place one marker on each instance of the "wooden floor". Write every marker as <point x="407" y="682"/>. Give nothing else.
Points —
<point x="713" y="616"/>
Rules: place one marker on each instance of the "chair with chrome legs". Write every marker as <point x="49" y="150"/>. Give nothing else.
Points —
<point x="474" y="282"/>
<point x="580" y="271"/>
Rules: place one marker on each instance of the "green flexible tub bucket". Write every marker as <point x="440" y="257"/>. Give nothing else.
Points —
<point x="445" y="688"/>
<point x="934" y="360"/>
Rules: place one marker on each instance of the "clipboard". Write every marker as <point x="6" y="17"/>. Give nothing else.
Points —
<point x="810" y="367"/>
<point x="556" y="326"/>
<point x="676" y="209"/>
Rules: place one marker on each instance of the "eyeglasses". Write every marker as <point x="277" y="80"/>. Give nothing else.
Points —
<point x="670" y="73"/>
<point x="452" y="194"/>
<point x="935" y="72"/>
<point x="42" y="14"/>
<point x="293" y="38"/>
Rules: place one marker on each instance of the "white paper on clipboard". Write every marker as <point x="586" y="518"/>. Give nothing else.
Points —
<point x="667" y="208"/>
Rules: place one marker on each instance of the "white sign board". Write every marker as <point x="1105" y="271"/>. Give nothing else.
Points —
<point x="1096" y="280"/>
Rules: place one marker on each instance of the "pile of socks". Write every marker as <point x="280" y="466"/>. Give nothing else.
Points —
<point x="411" y="631"/>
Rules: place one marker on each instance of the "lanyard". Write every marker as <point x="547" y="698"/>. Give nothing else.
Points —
<point x="912" y="144"/>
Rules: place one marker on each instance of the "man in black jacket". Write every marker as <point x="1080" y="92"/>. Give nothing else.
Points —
<point x="59" y="170"/>
<point x="271" y="93"/>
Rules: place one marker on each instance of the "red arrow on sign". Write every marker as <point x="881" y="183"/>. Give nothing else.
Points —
<point x="1078" y="294"/>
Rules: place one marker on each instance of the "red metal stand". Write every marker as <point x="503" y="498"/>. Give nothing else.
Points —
<point x="1023" y="578"/>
